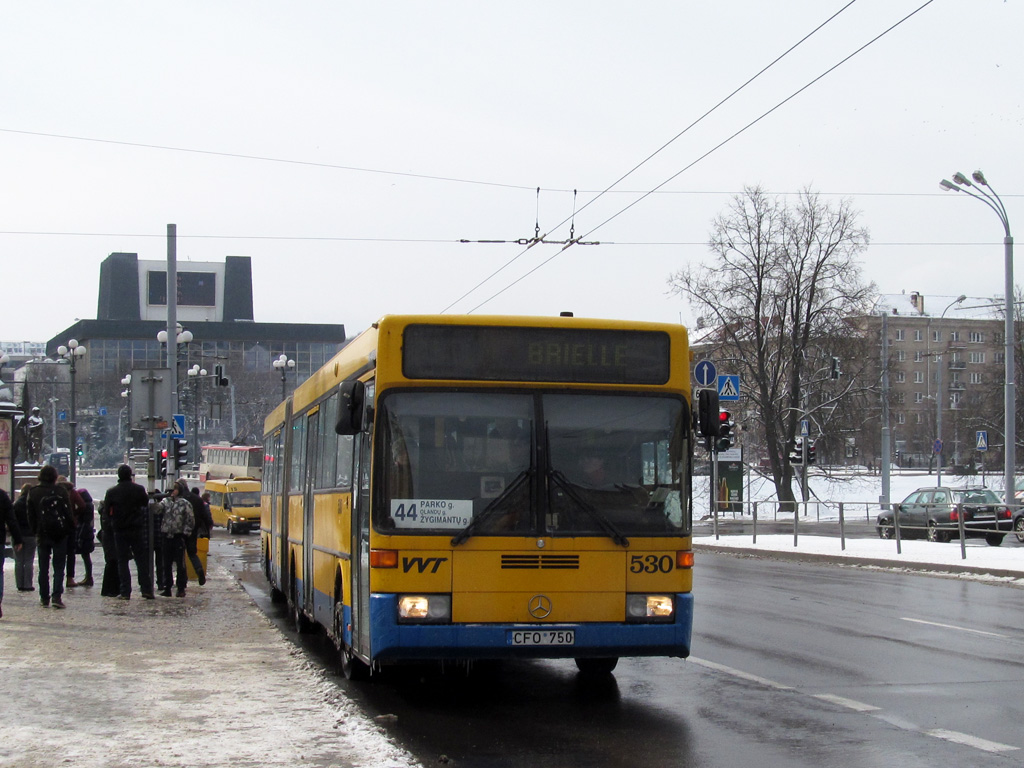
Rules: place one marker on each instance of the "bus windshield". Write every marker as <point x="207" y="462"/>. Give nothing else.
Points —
<point x="555" y="464"/>
<point x="244" y="498"/>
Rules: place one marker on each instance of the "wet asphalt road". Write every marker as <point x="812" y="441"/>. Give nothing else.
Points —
<point x="793" y="665"/>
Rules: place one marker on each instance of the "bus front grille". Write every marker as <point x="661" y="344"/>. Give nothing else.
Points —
<point x="540" y="562"/>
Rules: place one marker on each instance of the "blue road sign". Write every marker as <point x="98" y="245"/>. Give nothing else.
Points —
<point x="178" y="427"/>
<point x="982" y="436"/>
<point x="729" y="387"/>
<point x="103" y="411"/>
<point x="62" y="415"/>
<point x="705" y="373"/>
<point x="937" y="446"/>
<point x="805" y="428"/>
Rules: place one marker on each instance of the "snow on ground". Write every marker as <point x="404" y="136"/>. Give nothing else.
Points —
<point x="859" y="493"/>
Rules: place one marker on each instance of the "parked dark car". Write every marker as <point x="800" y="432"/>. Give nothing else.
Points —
<point x="1018" y="516"/>
<point x="934" y="513"/>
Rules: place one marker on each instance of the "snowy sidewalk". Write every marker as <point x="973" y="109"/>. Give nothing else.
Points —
<point x="1003" y="562"/>
<point x="201" y="681"/>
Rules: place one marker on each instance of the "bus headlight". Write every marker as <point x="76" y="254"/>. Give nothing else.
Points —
<point x="425" y="609"/>
<point x="649" y="608"/>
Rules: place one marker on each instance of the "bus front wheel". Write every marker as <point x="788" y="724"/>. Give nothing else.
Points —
<point x="352" y="666"/>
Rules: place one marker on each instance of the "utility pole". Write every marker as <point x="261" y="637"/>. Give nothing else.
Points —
<point x="883" y="500"/>
<point x="172" y="343"/>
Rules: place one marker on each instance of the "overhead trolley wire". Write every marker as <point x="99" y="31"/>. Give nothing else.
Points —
<point x="636" y="167"/>
<point x="706" y="154"/>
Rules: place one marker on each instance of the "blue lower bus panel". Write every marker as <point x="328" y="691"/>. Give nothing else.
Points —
<point x="394" y="641"/>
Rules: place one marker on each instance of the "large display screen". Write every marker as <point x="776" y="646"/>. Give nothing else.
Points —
<point x="195" y="289"/>
<point x="577" y="355"/>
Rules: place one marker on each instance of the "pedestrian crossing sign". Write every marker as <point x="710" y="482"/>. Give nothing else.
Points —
<point x="729" y="387"/>
<point x="982" y="440"/>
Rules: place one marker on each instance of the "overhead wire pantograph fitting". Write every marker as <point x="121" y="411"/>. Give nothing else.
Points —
<point x="699" y="159"/>
<point x="538" y="238"/>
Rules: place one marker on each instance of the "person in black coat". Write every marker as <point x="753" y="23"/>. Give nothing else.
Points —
<point x="8" y="522"/>
<point x="126" y="509"/>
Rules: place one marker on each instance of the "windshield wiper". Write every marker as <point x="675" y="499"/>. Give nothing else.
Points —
<point x="499" y="503"/>
<point x="606" y="525"/>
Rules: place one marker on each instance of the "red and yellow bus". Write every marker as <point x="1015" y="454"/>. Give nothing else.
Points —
<point x="468" y="487"/>
<point x="225" y="461"/>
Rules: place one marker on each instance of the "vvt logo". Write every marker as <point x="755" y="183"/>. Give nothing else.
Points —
<point x="422" y="564"/>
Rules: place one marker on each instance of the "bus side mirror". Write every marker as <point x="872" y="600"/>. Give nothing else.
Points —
<point x="351" y="407"/>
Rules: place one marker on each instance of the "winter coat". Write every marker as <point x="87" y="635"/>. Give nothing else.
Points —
<point x="178" y="519"/>
<point x="125" y="506"/>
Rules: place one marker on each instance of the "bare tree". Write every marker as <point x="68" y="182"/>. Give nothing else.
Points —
<point x="779" y="294"/>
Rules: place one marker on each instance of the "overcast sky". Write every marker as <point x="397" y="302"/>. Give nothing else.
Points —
<point x="347" y="148"/>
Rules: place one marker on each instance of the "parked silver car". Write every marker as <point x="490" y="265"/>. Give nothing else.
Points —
<point x="935" y="514"/>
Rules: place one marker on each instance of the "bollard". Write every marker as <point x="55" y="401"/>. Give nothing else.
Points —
<point x="842" y="531"/>
<point x="753" y="511"/>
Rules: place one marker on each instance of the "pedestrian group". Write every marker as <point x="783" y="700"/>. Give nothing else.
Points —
<point x="52" y="524"/>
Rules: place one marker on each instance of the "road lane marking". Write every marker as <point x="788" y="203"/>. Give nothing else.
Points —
<point x="970" y="741"/>
<point x="842" y="701"/>
<point x="963" y="739"/>
<point x="731" y="671"/>
<point x="954" y="626"/>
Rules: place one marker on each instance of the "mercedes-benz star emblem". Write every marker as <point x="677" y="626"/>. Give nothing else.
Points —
<point x="540" y="606"/>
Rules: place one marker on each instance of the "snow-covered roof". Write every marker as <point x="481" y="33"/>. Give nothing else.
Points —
<point x="915" y="304"/>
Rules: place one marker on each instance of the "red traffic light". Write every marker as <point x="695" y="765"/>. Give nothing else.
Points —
<point x="163" y="453"/>
<point x="724" y="416"/>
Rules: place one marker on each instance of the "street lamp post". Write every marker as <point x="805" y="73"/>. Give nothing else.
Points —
<point x="939" y="397"/>
<point x="987" y="195"/>
<point x="195" y="373"/>
<point x="71" y="352"/>
<point x="126" y="393"/>
<point x="284" y="364"/>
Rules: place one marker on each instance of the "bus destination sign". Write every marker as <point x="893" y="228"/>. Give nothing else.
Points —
<point x="576" y="355"/>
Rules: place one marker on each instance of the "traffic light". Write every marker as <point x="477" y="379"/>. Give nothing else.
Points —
<point x="162" y="464"/>
<point x="180" y="452"/>
<point x="219" y="377"/>
<point x="81" y="450"/>
<point x="811" y="457"/>
<point x="726" y="439"/>
<point x="836" y="371"/>
<point x="707" y="413"/>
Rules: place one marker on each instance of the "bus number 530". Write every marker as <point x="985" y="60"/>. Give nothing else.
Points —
<point x="651" y="564"/>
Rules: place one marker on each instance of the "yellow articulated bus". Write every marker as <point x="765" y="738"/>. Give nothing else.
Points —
<point x="467" y="487"/>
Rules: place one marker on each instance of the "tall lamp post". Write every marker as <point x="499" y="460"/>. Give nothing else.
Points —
<point x="126" y="393"/>
<point x="983" y="191"/>
<point x="284" y="364"/>
<point x="72" y="352"/>
<point x="939" y="398"/>
<point x="195" y="374"/>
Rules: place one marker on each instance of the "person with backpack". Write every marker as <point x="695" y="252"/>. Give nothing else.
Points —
<point x="178" y="522"/>
<point x="126" y="506"/>
<point x="8" y="522"/>
<point x="49" y="517"/>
